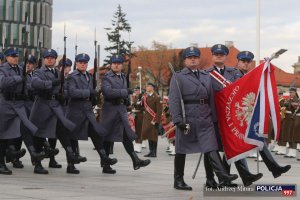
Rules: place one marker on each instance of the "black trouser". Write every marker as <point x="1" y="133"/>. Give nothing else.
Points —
<point x="128" y="145"/>
<point x="179" y="164"/>
<point x="61" y="134"/>
<point x="96" y="139"/>
<point x="3" y="146"/>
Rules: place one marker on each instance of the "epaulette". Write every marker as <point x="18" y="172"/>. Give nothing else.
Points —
<point x="74" y="73"/>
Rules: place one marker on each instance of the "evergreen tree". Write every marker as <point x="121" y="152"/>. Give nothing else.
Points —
<point x="119" y="46"/>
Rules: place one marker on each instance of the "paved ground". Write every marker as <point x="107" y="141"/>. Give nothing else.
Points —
<point x="152" y="182"/>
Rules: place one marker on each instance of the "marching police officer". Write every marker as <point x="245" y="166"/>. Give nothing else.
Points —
<point x="52" y="141"/>
<point x="116" y="92"/>
<point x="151" y="118"/>
<point x="219" y="54"/>
<point x="197" y="95"/>
<point x="12" y="108"/>
<point x="244" y="60"/>
<point x="82" y="98"/>
<point x="47" y="113"/>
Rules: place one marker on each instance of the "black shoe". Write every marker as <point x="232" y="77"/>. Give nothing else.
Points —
<point x="12" y="154"/>
<point x="141" y="163"/>
<point x="247" y="181"/>
<point x="71" y="169"/>
<point x="108" y="170"/>
<point x="278" y="171"/>
<point x="179" y="183"/>
<point x="211" y="183"/>
<point x="109" y="161"/>
<point x="17" y="164"/>
<point x="83" y="159"/>
<point x="54" y="164"/>
<point x="149" y="154"/>
<point x="5" y="170"/>
<point x="39" y="169"/>
<point x="49" y="152"/>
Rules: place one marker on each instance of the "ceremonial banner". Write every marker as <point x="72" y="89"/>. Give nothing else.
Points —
<point x="244" y="108"/>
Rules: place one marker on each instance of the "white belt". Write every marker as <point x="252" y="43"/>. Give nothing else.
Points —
<point x="289" y="112"/>
<point x="298" y="114"/>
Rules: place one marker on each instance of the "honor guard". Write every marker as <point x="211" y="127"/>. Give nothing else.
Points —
<point x="13" y="113"/>
<point x="197" y="133"/>
<point x="293" y="116"/>
<point x="116" y="93"/>
<point x="151" y="118"/>
<point x="47" y="113"/>
<point x="80" y="111"/>
<point x="137" y="110"/>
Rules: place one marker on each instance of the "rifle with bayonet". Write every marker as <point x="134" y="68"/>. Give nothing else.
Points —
<point x="74" y="66"/>
<point x="95" y="95"/>
<point x="25" y="37"/>
<point x="62" y="76"/>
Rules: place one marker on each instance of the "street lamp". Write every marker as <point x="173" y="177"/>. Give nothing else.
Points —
<point x="140" y="77"/>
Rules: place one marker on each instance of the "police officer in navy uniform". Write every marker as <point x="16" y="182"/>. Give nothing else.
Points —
<point x="244" y="59"/>
<point x="115" y="120"/>
<point x="82" y="98"/>
<point x="12" y="109"/>
<point x="219" y="54"/>
<point x="47" y="113"/>
<point x="197" y="95"/>
<point x="53" y="141"/>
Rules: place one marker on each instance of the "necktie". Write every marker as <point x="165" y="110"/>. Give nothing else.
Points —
<point x="196" y="73"/>
<point x="16" y="70"/>
<point x="86" y="76"/>
<point x="222" y="71"/>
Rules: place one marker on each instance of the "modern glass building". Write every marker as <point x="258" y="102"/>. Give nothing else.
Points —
<point x="12" y="24"/>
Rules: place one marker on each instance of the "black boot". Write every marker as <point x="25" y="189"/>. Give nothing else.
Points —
<point x="246" y="176"/>
<point x="108" y="170"/>
<point x="154" y="149"/>
<point x="34" y="155"/>
<point x="49" y="151"/>
<point x="219" y="169"/>
<point x="39" y="169"/>
<point x="12" y="154"/>
<point x="105" y="160"/>
<point x="17" y="164"/>
<point x="210" y="180"/>
<point x="5" y="170"/>
<point x="71" y="169"/>
<point x="150" y="149"/>
<point x="53" y="163"/>
<point x="138" y="163"/>
<point x="75" y="147"/>
<point x="179" y="163"/>
<point x="71" y="157"/>
<point x="227" y="167"/>
<point x="272" y="165"/>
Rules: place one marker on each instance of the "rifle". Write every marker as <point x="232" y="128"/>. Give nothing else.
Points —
<point x="25" y="32"/>
<point x="39" y="50"/>
<point x="74" y="66"/>
<point x="95" y="64"/>
<point x="129" y="67"/>
<point x="62" y="76"/>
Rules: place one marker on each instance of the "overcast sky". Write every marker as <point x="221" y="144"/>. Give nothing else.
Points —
<point x="179" y="23"/>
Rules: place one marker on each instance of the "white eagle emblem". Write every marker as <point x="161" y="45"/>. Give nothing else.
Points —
<point x="243" y="112"/>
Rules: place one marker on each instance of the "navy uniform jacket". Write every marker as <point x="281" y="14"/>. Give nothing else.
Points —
<point x="45" y="112"/>
<point x="231" y="74"/>
<point x="114" y="115"/>
<point x="12" y="111"/>
<point x="79" y="109"/>
<point x="201" y="137"/>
